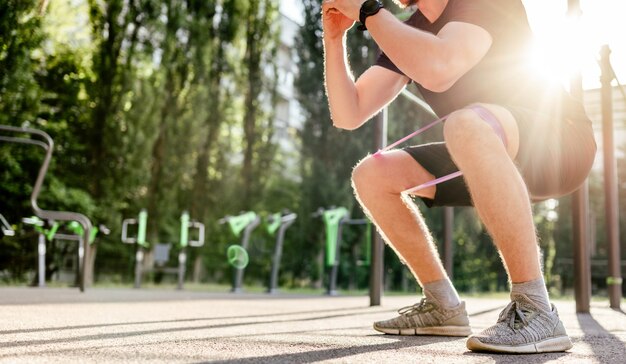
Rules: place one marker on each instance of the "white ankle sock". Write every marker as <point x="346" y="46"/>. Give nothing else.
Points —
<point x="443" y="292"/>
<point x="535" y="290"/>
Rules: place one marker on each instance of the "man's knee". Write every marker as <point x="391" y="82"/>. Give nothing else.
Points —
<point x="465" y="128"/>
<point x="364" y="174"/>
<point x="462" y="126"/>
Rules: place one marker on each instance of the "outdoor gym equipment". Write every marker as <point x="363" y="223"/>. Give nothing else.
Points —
<point x="237" y="254"/>
<point x="7" y="230"/>
<point x="334" y="220"/>
<point x="52" y="233"/>
<point x="278" y="222"/>
<point x="140" y="240"/>
<point x="162" y="251"/>
<point x="41" y="245"/>
<point x="185" y="225"/>
<point x="43" y="140"/>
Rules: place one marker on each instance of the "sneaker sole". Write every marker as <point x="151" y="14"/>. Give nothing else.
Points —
<point x="556" y="344"/>
<point x="432" y="331"/>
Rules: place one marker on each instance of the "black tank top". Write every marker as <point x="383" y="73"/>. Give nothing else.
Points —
<point x="504" y="75"/>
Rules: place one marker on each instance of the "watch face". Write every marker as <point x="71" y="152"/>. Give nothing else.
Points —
<point x="371" y="6"/>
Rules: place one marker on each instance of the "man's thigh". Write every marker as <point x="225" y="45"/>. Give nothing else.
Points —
<point x="509" y="125"/>
<point x="393" y="171"/>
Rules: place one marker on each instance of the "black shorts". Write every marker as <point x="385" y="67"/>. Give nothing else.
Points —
<point x="554" y="157"/>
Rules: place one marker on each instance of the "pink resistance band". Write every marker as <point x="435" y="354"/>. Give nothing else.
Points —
<point x="484" y="114"/>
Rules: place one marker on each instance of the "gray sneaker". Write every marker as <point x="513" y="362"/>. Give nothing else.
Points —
<point x="523" y="327"/>
<point x="428" y="318"/>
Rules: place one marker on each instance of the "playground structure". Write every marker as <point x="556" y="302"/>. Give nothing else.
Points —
<point x="162" y="251"/>
<point x="41" y="139"/>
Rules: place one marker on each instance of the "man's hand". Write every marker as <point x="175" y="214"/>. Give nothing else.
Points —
<point x="349" y="8"/>
<point x="334" y="22"/>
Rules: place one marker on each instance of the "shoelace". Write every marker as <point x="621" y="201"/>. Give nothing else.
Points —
<point x="422" y="306"/>
<point x="515" y="315"/>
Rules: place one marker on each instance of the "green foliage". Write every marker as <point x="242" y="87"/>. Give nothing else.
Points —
<point x="20" y="39"/>
<point x="142" y="115"/>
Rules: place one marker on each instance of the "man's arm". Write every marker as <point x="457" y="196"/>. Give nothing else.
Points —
<point x="434" y="61"/>
<point x="353" y="103"/>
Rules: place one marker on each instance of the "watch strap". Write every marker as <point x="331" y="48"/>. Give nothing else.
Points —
<point x="363" y="14"/>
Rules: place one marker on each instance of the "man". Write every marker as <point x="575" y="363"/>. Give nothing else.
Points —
<point x="515" y="139"/>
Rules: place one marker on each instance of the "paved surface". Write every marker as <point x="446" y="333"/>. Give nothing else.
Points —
<point x="118" y="325"/>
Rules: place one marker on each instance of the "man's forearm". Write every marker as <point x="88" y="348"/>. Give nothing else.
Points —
<point x="340" y="87"/>
<point x="436" y="62"/>
<point x="422" y="56"/>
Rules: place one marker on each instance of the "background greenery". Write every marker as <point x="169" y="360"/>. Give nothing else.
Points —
<point x="168" y="105"/>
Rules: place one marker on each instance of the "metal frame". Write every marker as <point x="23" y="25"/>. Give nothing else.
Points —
<point x="238" y="275"/>
<point x="7" y="230"/>
<point x="285" y="222"/>
<point x="48" y="145"/>
<point x="334" y="271"/>
<point x="611" y="208"/>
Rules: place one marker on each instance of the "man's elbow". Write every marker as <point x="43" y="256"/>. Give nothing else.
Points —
<point x="346" y="123"/>
<point x="438" y="80"/>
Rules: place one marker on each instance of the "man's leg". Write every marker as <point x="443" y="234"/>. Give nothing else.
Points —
<point x="499" y="194"/>
<point x="378" y="183"/>
<point x="498" y="191"/>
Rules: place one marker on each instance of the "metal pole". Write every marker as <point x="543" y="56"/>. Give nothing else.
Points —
<point x="580" y="207"/>
<point x="448" y="252"/>
<point x="614" y="279"/>
<point x="238" y="275"/>
<point x="378" y="246"/>
<point x="138" y="266"/>
<point x="182" y="263"/>
<point x="286" y="221"/>
<point x="41" y="249"/>
<point x="334" y="270"/>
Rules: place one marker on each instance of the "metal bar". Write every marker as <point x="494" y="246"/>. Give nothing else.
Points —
<point x="614" y="279"/>
<point x="286" y="221"/>
<point x="580" y="206"/>
<point x="582" y="267"/>
<point x="48" y="146"/>
<point x="334" y="269"/>
<point x="407" y="94"/>
<point x="619" y="84"/>
<point x="238" y="275"/>
<point x="41" y="253"/>
<point x="138" y="266"/>
<point x="7" y="230"/>
<point x="182" y="265"/>
<point x="378" y="246"/>
<point x="24" y="141"/>
<point x="448" y="246"/>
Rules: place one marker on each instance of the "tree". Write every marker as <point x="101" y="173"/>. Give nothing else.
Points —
<point x="259" y="98"/>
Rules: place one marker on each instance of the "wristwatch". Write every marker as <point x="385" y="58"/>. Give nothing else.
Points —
<point x="368" y="8"/>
